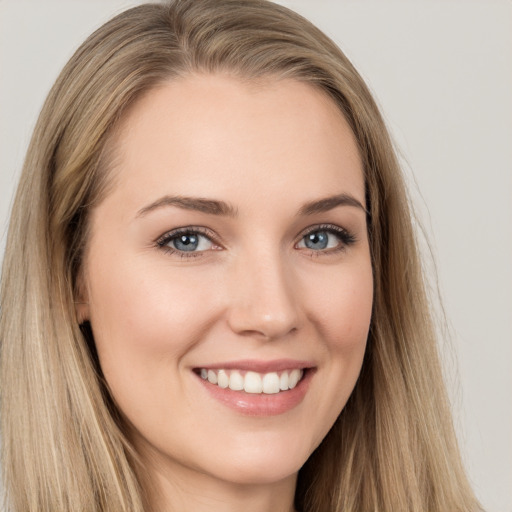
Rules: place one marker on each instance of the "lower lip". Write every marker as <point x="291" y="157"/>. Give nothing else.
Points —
<point x="260" y="404"/>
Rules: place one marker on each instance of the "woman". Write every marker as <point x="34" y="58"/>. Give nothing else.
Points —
<point x="211" y="294"/>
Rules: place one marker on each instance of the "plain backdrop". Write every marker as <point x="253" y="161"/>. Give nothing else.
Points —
<point x="442" y="74"/>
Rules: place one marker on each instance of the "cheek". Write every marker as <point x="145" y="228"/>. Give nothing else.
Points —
<point x="139" y="313"/>
<point x="342" y="307"/>
<point x="342" y="316"/>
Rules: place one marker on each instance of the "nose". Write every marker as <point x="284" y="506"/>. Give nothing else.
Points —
<point x="263" y="301"/>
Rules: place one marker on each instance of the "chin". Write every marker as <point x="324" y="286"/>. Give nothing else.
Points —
<point x="266" y="462"/>
<point x="260" y="473"/>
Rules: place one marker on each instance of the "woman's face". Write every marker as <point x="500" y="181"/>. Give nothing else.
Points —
<point x="230" y="260"/>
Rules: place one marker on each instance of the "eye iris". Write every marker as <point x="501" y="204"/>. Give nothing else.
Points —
<point x="186" y="242"/>
<point x="317" y="240"/>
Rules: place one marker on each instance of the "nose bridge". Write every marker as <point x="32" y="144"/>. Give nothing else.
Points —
<point x="263" y="300"/>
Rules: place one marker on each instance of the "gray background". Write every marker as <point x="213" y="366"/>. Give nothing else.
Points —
<point x="442" y="73"/>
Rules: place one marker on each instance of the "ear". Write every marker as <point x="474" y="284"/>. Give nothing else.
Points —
<point x="82" y="310"/>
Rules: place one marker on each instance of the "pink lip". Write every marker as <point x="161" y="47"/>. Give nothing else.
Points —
<point x="250" y="365"/>
<point x="260" y="404"/>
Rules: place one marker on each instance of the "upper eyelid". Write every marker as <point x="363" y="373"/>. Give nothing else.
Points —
<point x="208" y="233"/>
<point x="325" y="227"/>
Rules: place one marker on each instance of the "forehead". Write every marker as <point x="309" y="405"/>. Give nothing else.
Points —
<point x="227" y="134"/>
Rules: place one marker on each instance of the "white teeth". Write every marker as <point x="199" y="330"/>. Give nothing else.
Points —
<point x="252" y="382"/>
<point x="212" y="376"/>
<point x="271" y="383"/>
<point x="283" y="381"/>
<point x="295" y="376"/>
<point x="222" y="379"/>
<point x="236" y="381"/>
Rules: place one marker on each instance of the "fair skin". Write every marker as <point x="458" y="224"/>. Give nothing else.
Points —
<point x="270" y="276"/>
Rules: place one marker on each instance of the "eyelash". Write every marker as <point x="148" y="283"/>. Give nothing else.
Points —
<point x="346" y="239"/>
<point x="189" y="230"/>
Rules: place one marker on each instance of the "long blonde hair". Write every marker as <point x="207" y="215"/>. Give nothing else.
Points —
<point x="392" y="448"/>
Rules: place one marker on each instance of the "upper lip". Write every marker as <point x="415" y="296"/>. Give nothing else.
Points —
<point x="259" y="366"/>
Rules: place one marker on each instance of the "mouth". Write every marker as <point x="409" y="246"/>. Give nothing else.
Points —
<point x="253" y="382"/>
<point x="258" y="388"/>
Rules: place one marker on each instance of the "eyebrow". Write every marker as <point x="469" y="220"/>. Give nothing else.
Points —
<point x="329" y="203"/>
<point x="209" y="206"/>
<point x="216" y="207"/>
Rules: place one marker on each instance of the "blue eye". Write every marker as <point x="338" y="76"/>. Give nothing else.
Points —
<point x="326" y="238"/>
<point x="317" y="240"/>
<point x="185" y="241"/>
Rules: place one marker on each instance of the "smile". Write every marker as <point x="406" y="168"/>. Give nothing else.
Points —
<point x="253" y="382"/>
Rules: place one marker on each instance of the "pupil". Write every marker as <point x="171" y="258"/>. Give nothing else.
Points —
<point x="317" y="240"/>
<point x="186" y="242"/>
